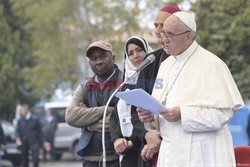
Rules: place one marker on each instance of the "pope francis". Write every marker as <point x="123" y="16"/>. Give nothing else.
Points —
<point x="200" y="96"/>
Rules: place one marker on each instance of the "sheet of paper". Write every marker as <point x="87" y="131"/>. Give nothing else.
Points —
<point x="140" y="98"/>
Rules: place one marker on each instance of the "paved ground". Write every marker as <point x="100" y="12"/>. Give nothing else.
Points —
<point x="66" y="161"/>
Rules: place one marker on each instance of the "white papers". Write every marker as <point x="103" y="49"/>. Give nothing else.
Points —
<point x="140" y="98"/>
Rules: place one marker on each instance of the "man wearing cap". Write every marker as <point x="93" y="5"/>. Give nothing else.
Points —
<point x="200" y="96"/>
<point x="87" y="106"/>
<point x="146" y="80"/>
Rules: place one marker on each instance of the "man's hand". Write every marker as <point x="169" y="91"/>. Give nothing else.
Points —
<point x="82" y="105"/>
<point x="120" y="145"/>
<point x="47" y="146"/>
<point x="153" y="140"/>
<point x="171" y="114"/>
<point x="147" y="154"/>
<point x="18" y="142"/>
<point x="110" y="110"/>
<point x="145" y="115"/>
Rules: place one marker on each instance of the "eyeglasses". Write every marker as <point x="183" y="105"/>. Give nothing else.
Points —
<point x="170" y="35"/>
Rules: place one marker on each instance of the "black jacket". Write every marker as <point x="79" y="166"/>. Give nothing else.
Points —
<point x="147" y="76"/>
<point x="29" y="131"/>
<point x="146" y="81"/>
<point x="48" y="129"/>
<point x="133" y="153"/>
<point x="2" y="137"/>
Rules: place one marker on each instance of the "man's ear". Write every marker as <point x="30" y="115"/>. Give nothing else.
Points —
<point x="190" y="37"/>
<point x="113" y="58"/>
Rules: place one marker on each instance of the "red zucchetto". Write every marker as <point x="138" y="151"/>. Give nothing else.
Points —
<point x="170" y="8"/>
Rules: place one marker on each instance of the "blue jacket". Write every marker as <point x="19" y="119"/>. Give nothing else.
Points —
<point x="29" y="131"/>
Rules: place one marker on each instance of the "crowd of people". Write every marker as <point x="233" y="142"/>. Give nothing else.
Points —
<point x="32" y="134"/>
<point x="198" y="92"/>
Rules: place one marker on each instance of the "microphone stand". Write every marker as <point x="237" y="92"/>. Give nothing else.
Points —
<point x="104" y="117"/>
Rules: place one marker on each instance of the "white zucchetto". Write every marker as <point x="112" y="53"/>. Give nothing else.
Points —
<point x="187" y="19"/>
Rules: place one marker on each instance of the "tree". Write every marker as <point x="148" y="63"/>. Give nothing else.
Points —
<point x="44" y="39"/>
<point x="223" y="28"/>
<point x="62" y="29"/>
<point x="53" y="44"/>
<point x="14" y="56"/>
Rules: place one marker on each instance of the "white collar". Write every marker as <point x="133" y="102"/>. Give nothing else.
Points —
<point x="187" y="53"/>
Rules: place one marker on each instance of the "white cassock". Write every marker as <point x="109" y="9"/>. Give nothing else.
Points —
<point x="202" y="85"/>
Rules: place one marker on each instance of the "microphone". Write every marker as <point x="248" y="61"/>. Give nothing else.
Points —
<point x="146" y="62"/>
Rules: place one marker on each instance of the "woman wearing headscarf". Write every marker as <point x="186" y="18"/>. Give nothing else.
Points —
<point x="126" y="142"/>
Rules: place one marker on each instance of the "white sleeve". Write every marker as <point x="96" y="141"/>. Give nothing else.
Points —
<point x="200" y="119"/>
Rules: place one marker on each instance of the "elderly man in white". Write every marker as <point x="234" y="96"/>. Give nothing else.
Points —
<point x="200" y="97"/>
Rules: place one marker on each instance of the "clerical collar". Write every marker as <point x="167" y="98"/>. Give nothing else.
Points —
<point x="187" y="53"/>
<point x="27" y="116"/>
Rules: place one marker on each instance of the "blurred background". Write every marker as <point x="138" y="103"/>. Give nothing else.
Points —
<point x="43" y="43"/>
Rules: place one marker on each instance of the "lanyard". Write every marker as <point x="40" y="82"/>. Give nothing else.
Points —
<point x="165" y="100"/>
